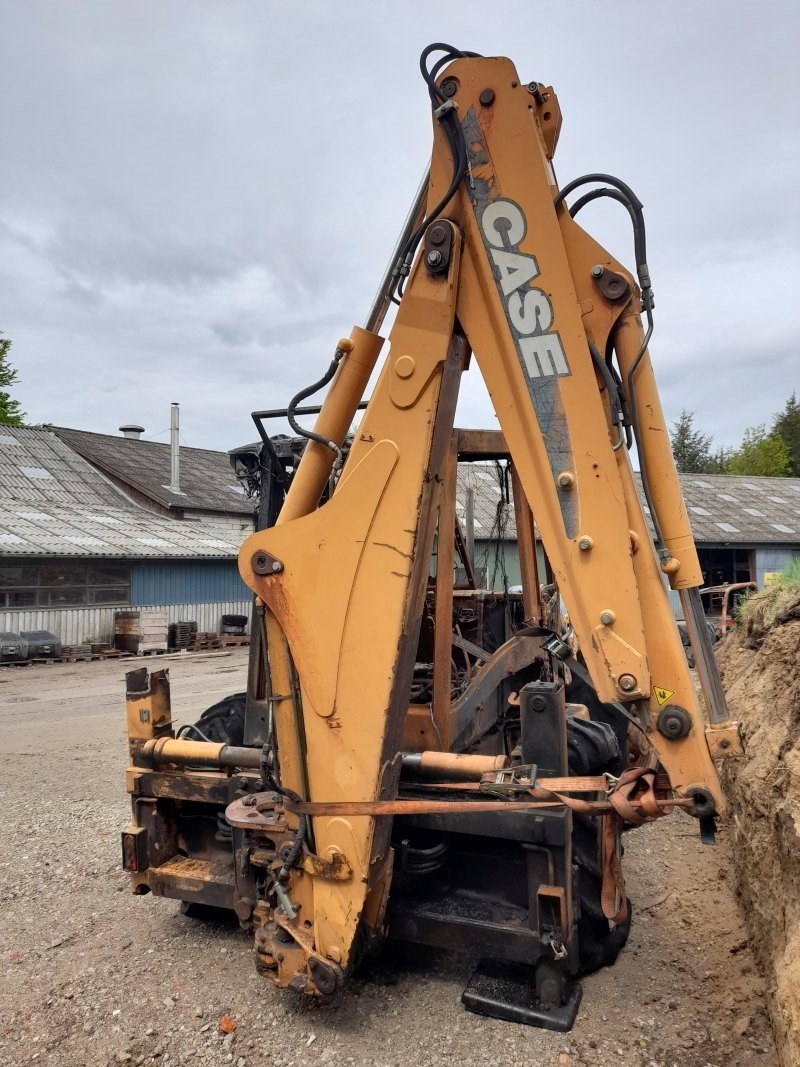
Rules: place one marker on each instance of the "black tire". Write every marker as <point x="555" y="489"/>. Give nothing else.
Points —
<point x="593" y="749"/>
<point x="599" y="942"/>
<point x="223" y="722"/>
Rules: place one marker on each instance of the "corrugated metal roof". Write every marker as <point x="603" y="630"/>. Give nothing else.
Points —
<point x="730" y="508"/>
<point x="206" y="478"/>
<point x="54" y="503"/>
<point x="37" y="467"/>
<point x="122" y="533"/>
<point x="722" y="508"/>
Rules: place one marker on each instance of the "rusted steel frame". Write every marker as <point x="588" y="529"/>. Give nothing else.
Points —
<point x="466" y="557"/>
<point x="443" y="613"/>
<point x="469" y="646"/>
<point x="469" y="722"/>
<point x="205" y="787"/>
<point x="526" y="545"/>
<point x="481" y="444"/>
<point x="148" y="710"/>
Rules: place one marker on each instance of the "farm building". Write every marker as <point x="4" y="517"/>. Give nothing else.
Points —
<point x="205" y="487"/>
<point x="91" y="524"/>
<point x="745" y="528"/>
<point x="75" y="548"/>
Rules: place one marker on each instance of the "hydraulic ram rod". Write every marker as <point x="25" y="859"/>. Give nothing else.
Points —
<point x="183" y="753"/>
<point x="380" y="305"/>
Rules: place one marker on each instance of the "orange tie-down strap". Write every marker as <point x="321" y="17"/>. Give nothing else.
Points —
<point x="633" y="801"/>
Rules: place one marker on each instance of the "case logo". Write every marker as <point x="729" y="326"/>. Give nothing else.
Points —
<point x="528" y="310"/>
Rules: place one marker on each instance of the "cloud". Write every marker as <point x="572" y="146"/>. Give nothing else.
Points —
<point x="197" y="200"/>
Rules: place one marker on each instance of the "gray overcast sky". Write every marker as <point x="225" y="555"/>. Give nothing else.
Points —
<point x="198" y="198"/>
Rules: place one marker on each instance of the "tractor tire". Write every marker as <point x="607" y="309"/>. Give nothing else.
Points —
<point x="223" y="722"/>
<point x="599" y="941"/>
<point x="593" y="749"/>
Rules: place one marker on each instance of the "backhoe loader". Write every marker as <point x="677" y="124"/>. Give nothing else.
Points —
<point x="419" y="757"/>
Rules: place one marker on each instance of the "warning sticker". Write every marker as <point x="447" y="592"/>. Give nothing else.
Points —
<point x="662" y="695"/>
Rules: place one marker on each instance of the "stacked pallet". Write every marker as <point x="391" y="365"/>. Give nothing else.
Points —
<point x="141" y="631"/>
<point x="181" y="634"/>
<point x="204" y="640"/>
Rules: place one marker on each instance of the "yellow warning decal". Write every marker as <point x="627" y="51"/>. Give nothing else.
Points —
<point x="662" y="695"/>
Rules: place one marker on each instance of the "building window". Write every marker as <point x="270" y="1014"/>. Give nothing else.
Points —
<point x="63" y="583"/>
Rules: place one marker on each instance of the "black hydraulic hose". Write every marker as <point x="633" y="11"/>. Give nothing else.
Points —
<point x="613" y="393"/>
<point x="623" y="194"/>
<point x="634" y="206"/>
<point x="309" y="391"/>
<point x="639" y="242"/>
<point x="448" y="119"/>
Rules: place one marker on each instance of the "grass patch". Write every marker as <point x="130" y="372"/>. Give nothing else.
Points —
<point x="763" y="606"/>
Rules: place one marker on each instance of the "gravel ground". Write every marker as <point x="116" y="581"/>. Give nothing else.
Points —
<point x="93" y="976"/>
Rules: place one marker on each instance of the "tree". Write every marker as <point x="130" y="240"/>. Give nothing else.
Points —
<point x="760" y="453"/>
<point x="692" y="448"/>
<point x="10" y="412"/>
<point x="787" y="424"/>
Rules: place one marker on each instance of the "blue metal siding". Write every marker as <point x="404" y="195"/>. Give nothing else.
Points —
<point x="186" y="582"/>
<point x="771" y="558"/>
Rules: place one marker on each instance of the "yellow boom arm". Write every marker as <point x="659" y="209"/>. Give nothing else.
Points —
<point x="506" y="274"/>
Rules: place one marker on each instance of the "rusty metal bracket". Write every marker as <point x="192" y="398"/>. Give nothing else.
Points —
<point x="265" y="564"/>
<point x="725" y="740"/>
<point x="336" y="868"/>
<point x="257" y="812"/>
<point x="325" y="974"/>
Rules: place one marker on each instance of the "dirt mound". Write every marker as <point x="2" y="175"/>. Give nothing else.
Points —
<point x="760" y="663"/>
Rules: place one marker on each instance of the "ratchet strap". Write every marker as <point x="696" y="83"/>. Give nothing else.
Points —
<point x="632" y="798"/>
<point x="632" y="801"/>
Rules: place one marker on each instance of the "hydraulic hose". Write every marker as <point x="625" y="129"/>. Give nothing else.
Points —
<point x="309" y="390"/>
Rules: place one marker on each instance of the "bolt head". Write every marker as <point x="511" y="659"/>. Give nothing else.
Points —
<point x="627" y="683"/>
<point x="584" y="544"/>
<point x="538" y="703"/>
<point x="598" y="271"/>
<point x="566" y="479"/>
<point x="277" y="567"/>
<point x="487" y="97"/>
<point x="606" y="618"/>
<point x="434" y="257"/>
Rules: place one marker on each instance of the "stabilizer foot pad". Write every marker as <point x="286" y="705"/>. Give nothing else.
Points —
<point x="506" y="991"/>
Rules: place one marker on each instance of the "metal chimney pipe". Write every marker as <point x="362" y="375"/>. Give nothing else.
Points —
<point x="174" y="449"/>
